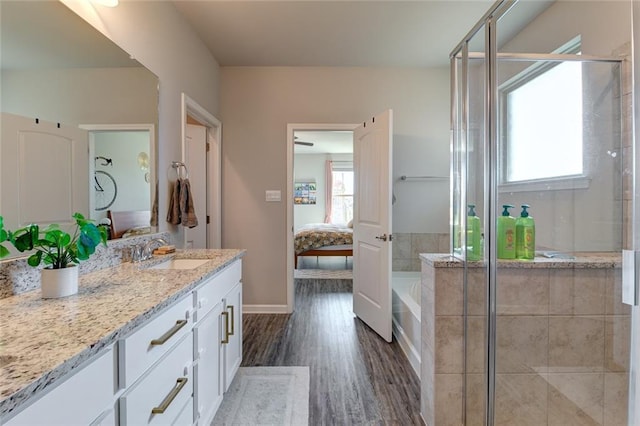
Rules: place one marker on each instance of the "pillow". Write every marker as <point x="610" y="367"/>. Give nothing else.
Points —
<point x="350" y="224"/>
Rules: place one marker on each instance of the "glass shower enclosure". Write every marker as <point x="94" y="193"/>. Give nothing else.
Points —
<point x="541" y="111"/>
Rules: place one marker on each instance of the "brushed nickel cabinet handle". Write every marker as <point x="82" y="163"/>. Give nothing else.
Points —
<point x="233" y="321"/>
<point x="225" y="314"/>
<point x="166" y="336"/>
<point x="172" y="395"/>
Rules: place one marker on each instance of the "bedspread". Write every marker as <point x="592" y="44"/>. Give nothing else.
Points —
<point x="316" y="235"/>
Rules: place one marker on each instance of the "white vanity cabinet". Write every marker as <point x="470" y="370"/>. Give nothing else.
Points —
<point x="86" y="397"/>
<point x="217" y="339"/>
<point x="231" y="347"/>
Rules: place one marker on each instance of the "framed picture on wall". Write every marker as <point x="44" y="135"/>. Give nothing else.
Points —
<point x="304" y="193"/>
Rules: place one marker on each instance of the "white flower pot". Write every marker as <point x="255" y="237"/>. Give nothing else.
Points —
<point x="59" y="282"/>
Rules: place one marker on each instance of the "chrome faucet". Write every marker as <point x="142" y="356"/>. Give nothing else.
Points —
<point x="141" y="253"/>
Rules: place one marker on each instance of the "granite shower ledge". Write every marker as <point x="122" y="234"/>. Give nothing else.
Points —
<point x="586" y="260"/>
<point x="42" y="340"/>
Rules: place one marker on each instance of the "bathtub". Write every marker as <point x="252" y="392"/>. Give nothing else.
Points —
<point x="405" y="294"/>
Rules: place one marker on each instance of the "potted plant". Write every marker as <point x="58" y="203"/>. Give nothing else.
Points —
<point x="58" y="250"/>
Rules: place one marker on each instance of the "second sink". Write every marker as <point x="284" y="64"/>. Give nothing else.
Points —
<point x="180" y="264"/>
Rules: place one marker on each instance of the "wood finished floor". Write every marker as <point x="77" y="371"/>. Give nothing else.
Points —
<point x="356" y="378"/>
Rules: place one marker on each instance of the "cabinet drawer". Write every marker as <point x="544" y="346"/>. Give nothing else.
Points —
<point x="185" y="418"/>
<point x="91" y="389"/>
<point x="146" y="345"/>
<point x="168" y="386"/>
<point x="213" y="290"/>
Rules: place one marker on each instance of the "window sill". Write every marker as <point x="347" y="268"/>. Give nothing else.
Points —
<point x="573" y="182"/>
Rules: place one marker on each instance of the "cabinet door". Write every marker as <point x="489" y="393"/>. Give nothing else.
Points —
<point x="208" y="383"/>
<point x="233" y="349"/>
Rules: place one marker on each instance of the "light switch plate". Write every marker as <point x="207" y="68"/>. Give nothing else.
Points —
<point x="272" y="195"/>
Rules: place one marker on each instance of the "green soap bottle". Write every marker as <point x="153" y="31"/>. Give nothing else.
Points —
<point x="506" y="234"/>
<point x="525" y="235"/>
<point x="474" y="235"/>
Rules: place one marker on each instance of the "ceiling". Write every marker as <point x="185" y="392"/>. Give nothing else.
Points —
<point x="324" y="141"/>
<point x="361" y="33"/>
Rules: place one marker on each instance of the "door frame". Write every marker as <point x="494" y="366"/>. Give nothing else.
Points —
<point x="291" y="128"/>
<point x="214" y="167"/>
<point x="148" y="127"/>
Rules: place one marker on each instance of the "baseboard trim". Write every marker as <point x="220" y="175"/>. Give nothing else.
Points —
<point x="265" y="309"/>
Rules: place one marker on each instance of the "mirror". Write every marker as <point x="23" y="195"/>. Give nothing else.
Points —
<point x="61" y="76"/>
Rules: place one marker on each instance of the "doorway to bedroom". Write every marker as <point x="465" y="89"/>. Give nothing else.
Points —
<point x="323" y="204"/>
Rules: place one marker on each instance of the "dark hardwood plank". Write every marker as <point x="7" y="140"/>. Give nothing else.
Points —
<point x="356" y="377"/>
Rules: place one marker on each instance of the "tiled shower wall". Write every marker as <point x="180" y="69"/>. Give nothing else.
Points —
<point x="407" y="248"/>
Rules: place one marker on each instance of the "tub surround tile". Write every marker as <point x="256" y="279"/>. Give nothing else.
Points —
<point x="563" y="341"/>
<point x="577" y="292"/>
<point x="449" y="347"/>
<point x="617" y="334"/>
<point x="576" y="399"/>
<point x="110" y="303"/>
<point x="616" y="395"/>
<point x="522" y="344"/>
<point x="576" y="343"/>
<point x="523" y="292"/>
<point x="521" y="399"/>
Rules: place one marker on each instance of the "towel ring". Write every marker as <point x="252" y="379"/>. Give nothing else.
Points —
<point x="178" y="166"/>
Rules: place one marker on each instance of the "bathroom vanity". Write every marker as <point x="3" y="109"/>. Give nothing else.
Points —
<point x="154" y="342"/>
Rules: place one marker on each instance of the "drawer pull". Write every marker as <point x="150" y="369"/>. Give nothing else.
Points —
<point x="233" y="321"/>
<point x="172" y="395"/>
<point x="225" y="314"/>
<point x="166" y="336"/>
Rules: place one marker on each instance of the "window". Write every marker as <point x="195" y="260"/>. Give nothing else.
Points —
<point x="543" y="122"/>
<point x="342" y="196"/>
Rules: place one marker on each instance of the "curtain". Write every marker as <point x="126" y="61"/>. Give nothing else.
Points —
<point x="328" y="191"/>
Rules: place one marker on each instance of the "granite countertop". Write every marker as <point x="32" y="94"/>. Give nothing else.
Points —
<point x="41" y="340"/>
<point x="549" y="260"/>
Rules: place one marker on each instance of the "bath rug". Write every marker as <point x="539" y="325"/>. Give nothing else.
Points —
<point x="266" y="396"/>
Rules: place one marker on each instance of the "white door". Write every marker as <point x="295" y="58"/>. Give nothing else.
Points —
<point x="196" y="160"/>
<point x="372" y="147"/>
<point x="44" y="171"/>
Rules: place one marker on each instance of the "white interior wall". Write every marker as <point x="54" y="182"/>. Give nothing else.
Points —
<point x="310" y="168"/>
<point x="257" y="103"/>
<point x="123" y="147"/>
<point x="157" y="35"/>
<point x="82" y="95"/>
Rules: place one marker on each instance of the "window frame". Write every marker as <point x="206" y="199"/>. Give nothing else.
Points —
<point x="346" y="166"/>
<point x="574" y="46"/>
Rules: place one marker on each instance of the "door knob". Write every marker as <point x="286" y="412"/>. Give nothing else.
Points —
<point x="382" y="237"/>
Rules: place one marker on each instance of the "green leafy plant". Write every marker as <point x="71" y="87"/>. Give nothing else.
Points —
<point x="4" y="236"/>
<point x="55" y="247"/>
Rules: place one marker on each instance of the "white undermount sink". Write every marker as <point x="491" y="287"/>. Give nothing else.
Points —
<point x="180" y="264"/>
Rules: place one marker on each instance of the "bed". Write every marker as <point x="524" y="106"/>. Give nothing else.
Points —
<point x="129" y="223"/>
<point x="323" y="239"/>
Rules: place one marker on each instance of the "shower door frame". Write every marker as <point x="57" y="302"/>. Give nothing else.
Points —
<point x="459" y="59"/>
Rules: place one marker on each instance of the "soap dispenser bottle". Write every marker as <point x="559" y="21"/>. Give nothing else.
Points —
<point x="474" y="236"/>
<point x="506" y="231"/>
<point x="525" y="235"/>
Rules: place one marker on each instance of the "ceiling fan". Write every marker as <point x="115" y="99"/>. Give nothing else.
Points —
<point x="297" y="142"/>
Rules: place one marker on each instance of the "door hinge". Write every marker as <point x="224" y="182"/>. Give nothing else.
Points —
<point x="208" y="146"/>
<point x="208" y="219"/>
